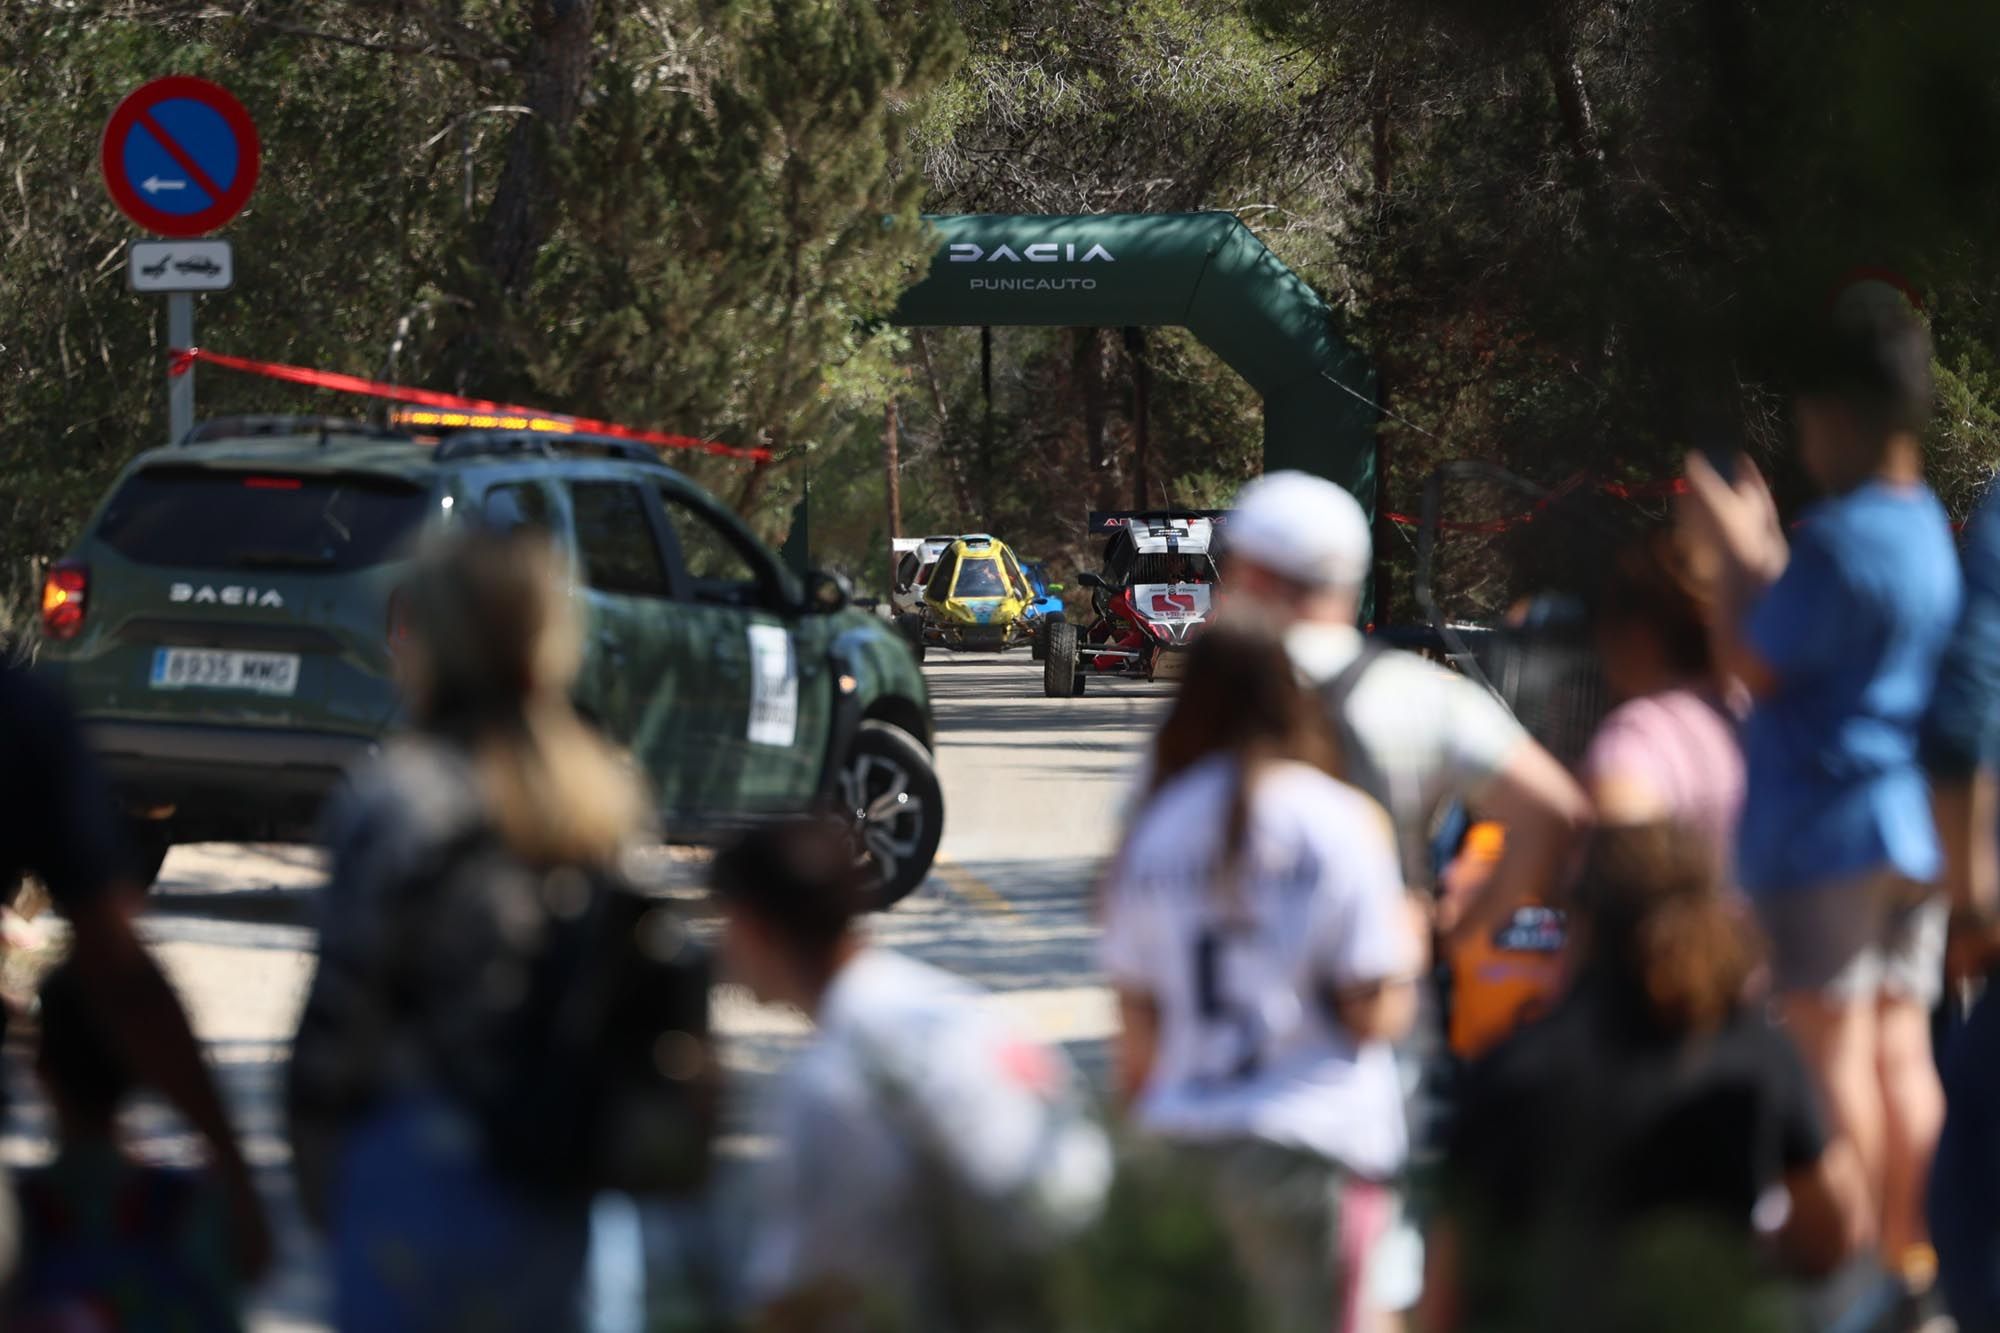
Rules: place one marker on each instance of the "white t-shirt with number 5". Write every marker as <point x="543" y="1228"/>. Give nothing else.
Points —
<point x="1248" y="1043"/>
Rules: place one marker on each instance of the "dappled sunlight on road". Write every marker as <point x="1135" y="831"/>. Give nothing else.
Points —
<point x="1033" y="787"/>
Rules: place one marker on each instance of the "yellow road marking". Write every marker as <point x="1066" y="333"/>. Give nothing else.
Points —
<point x="970" y="887"/>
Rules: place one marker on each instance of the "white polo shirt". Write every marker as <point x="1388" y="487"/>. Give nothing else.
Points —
<point x="1240" y="968"/>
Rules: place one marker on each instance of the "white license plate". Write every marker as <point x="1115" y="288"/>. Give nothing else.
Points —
<point x="210" y="669"/>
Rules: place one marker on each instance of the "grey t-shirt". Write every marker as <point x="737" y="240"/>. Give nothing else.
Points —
<point x="1432" y="737"/>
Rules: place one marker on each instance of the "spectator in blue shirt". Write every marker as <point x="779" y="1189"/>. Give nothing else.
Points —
<point x="1960" y="738"/>
<point x="1961" y="749"/>
<point x="1838" y="635"/>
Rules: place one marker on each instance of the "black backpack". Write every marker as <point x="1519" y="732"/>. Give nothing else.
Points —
<point x="590" y="1066"/>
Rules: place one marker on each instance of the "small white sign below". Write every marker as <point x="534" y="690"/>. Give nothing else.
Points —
<point x="180" y="266"/>
<point x="774" y="686"/>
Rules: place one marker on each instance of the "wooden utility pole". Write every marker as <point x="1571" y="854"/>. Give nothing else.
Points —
<point x="985" y="487"/>
<point x="894" y="487"/>
<point x="890" y="465"/>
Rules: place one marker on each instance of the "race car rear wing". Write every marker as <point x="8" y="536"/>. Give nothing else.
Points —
<point x="1103" y="521"/>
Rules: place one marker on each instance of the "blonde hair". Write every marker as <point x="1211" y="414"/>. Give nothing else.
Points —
<point x="491" y="650"/>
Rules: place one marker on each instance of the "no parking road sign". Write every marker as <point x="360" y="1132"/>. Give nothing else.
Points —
<point x="180" y="156"/>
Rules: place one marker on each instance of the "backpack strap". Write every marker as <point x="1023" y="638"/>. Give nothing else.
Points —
<point x="1335" y="695"/>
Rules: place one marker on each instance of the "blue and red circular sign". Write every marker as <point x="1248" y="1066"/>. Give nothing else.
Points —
<point x="180" y="156"/>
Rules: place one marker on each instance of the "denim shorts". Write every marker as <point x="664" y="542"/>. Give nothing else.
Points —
<point x="1877" y="934"/>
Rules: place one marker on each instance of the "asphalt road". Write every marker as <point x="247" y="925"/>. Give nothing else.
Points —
<point x="1033" y="790"/>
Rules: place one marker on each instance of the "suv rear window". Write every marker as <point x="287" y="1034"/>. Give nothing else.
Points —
<point x="207" y="519"/>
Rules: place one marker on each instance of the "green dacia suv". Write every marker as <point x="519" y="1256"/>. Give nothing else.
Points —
<point x="223" y="629"/>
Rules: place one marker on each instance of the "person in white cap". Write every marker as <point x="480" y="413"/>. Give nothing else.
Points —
<point x="1416" y="737"/>
<point x="1296" y="550"/>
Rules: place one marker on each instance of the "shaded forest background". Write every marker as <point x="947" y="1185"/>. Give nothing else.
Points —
<point x="1571" y="234"/>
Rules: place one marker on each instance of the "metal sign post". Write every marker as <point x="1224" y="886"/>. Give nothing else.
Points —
<point x="180" y="157"/>
<point x="180" y="388"/>
<point x="179" y="269"/>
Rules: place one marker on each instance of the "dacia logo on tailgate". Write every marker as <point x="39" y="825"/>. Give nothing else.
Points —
<point x="229" y="594"/>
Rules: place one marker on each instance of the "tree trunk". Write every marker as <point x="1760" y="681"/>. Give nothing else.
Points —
<point x="557" y="61"/>
<point x="1380" y="572"/>
<point x="1580" y="133"/>
<point x="1379" y="135"/>
<point x="1142" y="416"/>
<point x="948" y="450"/>
<point x="985" y="489"/>
<point x="1728" y="30"/>
<point x="1572" y="98"/>
<point x="890" y="463"/>
<point x="1087" y="364"/>
<point x="753" y="487"/>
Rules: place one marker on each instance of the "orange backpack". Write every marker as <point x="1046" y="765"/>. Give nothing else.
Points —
<point x="1507" y="976"/>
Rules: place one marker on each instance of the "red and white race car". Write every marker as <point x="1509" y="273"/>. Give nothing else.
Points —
<point x="1156" y="594"/>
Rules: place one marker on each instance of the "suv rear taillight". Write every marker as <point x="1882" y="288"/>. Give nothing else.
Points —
<point x="65" y="590"/>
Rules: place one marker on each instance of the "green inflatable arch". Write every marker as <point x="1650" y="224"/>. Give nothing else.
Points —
<point x="1206" y="272"/>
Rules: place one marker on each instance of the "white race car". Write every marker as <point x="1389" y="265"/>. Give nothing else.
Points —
<point x="1156" y="594"/>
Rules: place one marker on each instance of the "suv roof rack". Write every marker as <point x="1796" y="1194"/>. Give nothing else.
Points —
<point x="262" y="425"/>
<point x="541" y="444"/>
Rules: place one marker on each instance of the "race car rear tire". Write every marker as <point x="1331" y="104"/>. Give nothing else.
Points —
<point x="1060" y="678"/>
<point x="912" y="627"/>
<point x="888" y="790"/>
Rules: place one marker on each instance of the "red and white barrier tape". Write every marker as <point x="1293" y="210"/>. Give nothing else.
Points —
<point x="180" y="359"/>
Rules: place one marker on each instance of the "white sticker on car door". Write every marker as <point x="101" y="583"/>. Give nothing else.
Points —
<point x="774" y="686"/>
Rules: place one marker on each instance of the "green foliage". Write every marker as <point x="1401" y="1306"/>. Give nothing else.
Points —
<point x="1571" y="234"/>
<point x="1115" y="105"/>
<point x="1586" y="231"/>
<point x="703" y="204"/>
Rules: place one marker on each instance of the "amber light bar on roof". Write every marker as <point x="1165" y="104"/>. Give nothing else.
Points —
<point x="437" y="420"/>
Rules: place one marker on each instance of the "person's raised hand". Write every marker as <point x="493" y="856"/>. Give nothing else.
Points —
<point x="1731" y="526"/>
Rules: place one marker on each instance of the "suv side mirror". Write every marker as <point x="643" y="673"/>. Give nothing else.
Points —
<point x="827" y="592"/>
<point x="1090" y="579"/>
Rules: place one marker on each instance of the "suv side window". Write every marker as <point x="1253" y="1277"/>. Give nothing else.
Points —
<point x="720" y="570"/>
<point x="614" y="534"/>
<point x="517" y="504"/>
